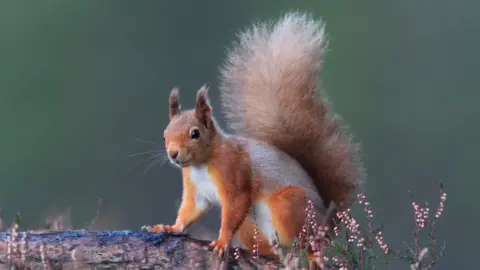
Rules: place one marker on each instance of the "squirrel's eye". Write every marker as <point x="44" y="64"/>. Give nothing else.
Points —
<point x="195" y="134"/>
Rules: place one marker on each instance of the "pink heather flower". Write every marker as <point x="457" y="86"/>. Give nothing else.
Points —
<point x="443" y="198"/>
<point x="381" y="243"/>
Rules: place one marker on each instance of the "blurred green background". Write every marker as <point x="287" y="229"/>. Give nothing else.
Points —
<point x="82" y="81"/>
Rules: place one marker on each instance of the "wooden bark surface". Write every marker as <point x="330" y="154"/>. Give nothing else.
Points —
<point x="117" y="250"/>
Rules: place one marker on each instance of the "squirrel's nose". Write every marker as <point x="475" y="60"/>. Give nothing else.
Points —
<point x="173" y="154"/>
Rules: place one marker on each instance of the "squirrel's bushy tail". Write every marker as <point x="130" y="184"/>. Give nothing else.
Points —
<point x="269" y="92"/>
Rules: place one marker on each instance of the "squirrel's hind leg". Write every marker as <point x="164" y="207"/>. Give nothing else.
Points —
<point x="286" y="216"/>
<point x="246" y="235"/>
<point x="289" y="214"/>
<point x="288" y="211"/>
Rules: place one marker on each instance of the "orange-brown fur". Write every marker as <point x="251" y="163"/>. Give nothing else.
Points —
<point x="289" y="205"/>
<point x="230" y="170"/>
<point x="269" y="94"/>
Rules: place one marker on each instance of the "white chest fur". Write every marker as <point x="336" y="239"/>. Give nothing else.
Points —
<point x="206" y="189"/>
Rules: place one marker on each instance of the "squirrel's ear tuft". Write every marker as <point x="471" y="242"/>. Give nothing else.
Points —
<point x="174" y="102"/>
<point x="203" y="111"/>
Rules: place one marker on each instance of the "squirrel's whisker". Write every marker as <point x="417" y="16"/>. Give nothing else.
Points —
<point x="153" y="163"/>
<point x="144" y="153"/>
<point x="144" y="141"/>
<point x="155" y="154"/>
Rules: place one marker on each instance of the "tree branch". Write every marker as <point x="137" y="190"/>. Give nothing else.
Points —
<point x="117" y="250"/>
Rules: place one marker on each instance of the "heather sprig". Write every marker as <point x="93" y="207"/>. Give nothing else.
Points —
<point x="348" y="245"/>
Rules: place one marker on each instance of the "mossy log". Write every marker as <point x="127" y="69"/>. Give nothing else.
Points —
<point x="128" y="249"/>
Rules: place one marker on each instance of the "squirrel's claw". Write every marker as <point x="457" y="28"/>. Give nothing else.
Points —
<point x="160" y="228"/>
<point x="219" y="246"/>
<point x="149" y="228"/>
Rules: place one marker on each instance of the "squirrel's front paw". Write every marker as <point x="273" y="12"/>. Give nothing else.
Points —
<point x="162" y="228"/>
<point x="219" y="246"/>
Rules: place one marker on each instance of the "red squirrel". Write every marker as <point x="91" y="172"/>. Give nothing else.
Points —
<point x="285" y="149"/>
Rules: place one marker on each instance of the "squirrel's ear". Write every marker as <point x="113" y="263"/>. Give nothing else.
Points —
<point x="203" y="111"/>
<point x="174" y="102"/>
